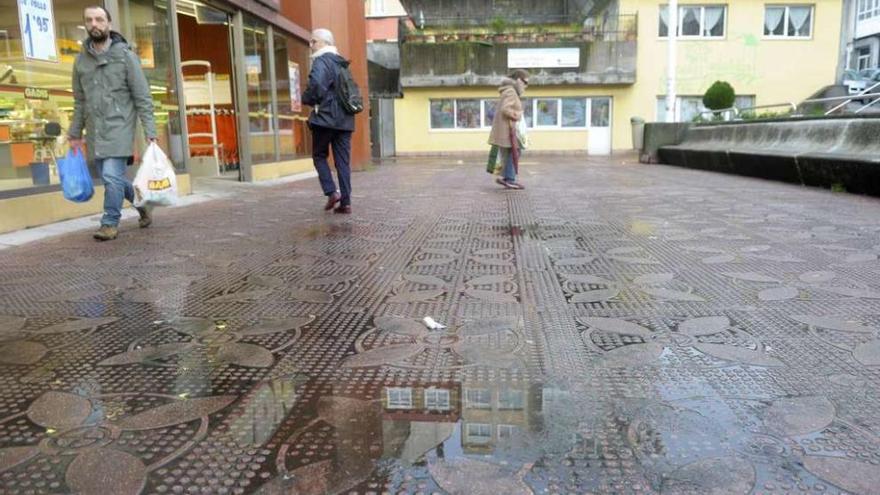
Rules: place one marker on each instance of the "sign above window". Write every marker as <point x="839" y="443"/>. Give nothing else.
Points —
<point x="36" y="93"/>
<point x="543" y="58"/>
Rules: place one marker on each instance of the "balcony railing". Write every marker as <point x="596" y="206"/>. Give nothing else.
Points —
<point x="615" y="28"/>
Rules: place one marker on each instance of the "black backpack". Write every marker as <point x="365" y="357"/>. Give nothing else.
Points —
<point x="347" y="91"/>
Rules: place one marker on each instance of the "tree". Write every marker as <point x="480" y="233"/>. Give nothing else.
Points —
<point x="719" y="96"/>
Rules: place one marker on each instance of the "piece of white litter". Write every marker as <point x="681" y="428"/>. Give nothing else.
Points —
<point x="433" y="325"/>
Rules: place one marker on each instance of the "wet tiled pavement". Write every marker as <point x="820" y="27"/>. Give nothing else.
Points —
<point x="614" y="328"/>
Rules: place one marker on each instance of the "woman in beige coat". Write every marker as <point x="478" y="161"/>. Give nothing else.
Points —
<point x="503" y="135"/>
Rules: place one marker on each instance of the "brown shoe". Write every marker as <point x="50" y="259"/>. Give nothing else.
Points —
<point x="332" y="199"/>
<point x="343" y="209"/>
<point x="508" y="184"/>
<point x="106" y="233"/>
<point x="146" y="219"/>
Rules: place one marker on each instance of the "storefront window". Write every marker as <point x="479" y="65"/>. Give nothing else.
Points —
<point x="144" y="23"/>
<point x="548" y="112"/>
<point x="528" y="111"/>
<point x="489" y="112"/>
<point x="259" y="85"/>
<point x="442" y="114"/>
<point x="35" y="89"/>
<point x="291" y="64"/>
<point x="574" y="112"/>
<point x="467" y="114"/>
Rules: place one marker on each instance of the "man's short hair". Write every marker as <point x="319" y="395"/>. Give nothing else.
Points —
<point x="109" y="18"/>
<point x="521" y="74"/>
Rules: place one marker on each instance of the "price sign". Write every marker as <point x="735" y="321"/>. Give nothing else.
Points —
<point x="38" y="29"/>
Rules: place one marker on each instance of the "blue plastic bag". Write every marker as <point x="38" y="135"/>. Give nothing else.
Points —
<point x="76" y="182"/>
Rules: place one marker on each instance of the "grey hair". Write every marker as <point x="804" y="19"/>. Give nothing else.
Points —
<point x="324" y="35"/>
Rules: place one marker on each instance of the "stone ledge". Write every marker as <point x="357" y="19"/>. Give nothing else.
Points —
<point x="821" y="153"/>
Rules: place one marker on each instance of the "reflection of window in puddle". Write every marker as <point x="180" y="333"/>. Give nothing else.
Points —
<point x="478" y="398"/>
<point x="507" y="431"/>
<point x="511" y="399"/>
<point x="399" y="398"/>
<point x="263" y="410"/>
<point x="478" y="433"/>
<point x="437" y="399"/>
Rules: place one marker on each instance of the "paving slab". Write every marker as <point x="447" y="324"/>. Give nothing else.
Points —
<point x="613" y="328"/>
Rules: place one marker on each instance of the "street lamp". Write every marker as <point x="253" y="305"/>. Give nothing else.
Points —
<point x="672" y="55"/>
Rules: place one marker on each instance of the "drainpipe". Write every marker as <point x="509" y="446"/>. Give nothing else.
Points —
<point x="672" y="55"/>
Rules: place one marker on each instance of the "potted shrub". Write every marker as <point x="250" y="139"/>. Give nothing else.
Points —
<point x="719" y="96"/>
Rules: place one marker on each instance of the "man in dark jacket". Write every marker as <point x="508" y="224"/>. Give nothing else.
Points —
<point x="110" y="93"/>
<point x="331" y="125"/>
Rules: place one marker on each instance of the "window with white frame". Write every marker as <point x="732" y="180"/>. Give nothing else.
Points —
<point x="437" y="399"/>
<point x="544" y="113"/>
<point x="529" y="112"/>
<point x="511" y="399"/>
<point x="695" y="21"/>
<point x="489" y="112"/>
<point x="863" y="58"/>
<point x="478" y="398"/>
<point x="574" y="112"/>
<point x="464" y="114"/>
<point x="868" y="9"/>
<point x="468" y="114"/>
<point x="788" y="21"/>
<point x="507" y="431"/>
<point x="399" y="398"/>
<point x="478" y="432"/>
<point x="377" y="7"/>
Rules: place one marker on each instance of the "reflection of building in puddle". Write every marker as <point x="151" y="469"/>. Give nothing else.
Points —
<point x="480" y="415"/>
<point x="417" y="419"/>
<point x="263" y="410"/>
<point x="493" y="413"/>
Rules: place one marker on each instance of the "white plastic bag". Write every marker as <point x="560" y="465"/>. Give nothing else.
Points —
<point x="522" y="134"/>
<point x="155" y="183"/>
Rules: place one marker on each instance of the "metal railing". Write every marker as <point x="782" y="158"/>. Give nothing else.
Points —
<point x="737" y="111"/>
<point x="623" y="27"/>
<point x="866" y="91"/>
<point x="869" y="94"/>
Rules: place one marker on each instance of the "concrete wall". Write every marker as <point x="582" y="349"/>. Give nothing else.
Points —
<point x="473" y="64"/>
<point x="382" y="28"/>
<point x="818" y="152"/>
<point x="658" y="135"/>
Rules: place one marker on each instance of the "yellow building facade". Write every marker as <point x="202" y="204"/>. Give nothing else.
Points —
<point x="770" y="52"/>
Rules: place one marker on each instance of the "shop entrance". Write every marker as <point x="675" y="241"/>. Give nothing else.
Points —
<point x="206" y="63"/>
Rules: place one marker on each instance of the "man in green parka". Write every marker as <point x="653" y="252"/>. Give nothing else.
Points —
<point x="110" y="94"/>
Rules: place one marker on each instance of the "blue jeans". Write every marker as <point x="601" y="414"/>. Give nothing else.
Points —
<point x="509" y="171"/>
<point x="117" y="188"/>
<point x="323" y="139"/>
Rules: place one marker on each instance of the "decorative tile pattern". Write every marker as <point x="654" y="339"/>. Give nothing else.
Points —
<point x="612" y="329"/>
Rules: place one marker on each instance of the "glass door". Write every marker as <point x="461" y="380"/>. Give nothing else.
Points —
<point x="600" y="126"/>
<point x="208" y="89"/>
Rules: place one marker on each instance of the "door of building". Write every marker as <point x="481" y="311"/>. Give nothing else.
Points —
<point x="208" y="89"/>
<point x="599" y="140"/>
